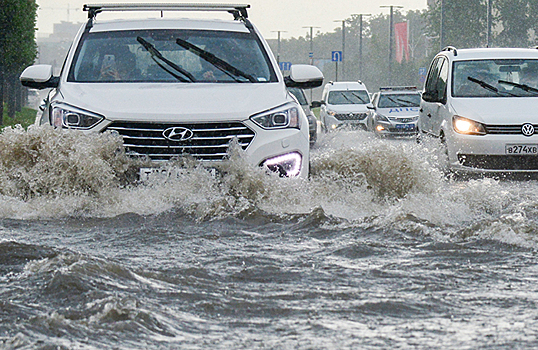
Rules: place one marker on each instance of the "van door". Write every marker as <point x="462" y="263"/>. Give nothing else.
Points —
<point x="433" y="97"/>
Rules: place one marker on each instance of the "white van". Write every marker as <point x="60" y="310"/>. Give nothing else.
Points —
<point x="173" y="87"/>
<point x="344" y="103"/>
<point x="481" y="104"/>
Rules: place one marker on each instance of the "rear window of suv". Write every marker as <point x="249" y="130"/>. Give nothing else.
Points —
<point x="197" y="56"/>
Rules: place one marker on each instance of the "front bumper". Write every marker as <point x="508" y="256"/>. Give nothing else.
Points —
<point x="487" y="153"/>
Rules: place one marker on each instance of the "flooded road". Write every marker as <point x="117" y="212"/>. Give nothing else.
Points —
<point x="376" y="250"/>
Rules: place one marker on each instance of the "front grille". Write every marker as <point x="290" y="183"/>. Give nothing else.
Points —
<point x="351" y="116"/>
<point x="403" y="120"/>
<point x="506" y="129"/>
<point x="210" y="141"/>
<point x="499" y="162"/>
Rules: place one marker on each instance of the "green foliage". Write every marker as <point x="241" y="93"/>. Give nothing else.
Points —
<point x="17" y="34"/>
<point x="25" y="118"/>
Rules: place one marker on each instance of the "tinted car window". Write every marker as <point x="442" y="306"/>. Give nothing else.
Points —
<point x="171" y="56"/>
<point x="348" y="97"/>
<point x="299" y="95"/>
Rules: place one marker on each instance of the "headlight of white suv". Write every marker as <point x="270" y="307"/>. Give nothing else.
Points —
<point x="283" y="117"/>
<point x="65" y="116"/>
<point x="467" y="126"/>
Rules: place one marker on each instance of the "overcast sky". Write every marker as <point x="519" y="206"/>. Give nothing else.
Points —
<point x="270" y="16"/>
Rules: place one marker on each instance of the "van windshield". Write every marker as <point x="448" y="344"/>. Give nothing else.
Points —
<point x="348" y="97"/>
<point x="495" y="78"/>
<point x="193" y="56"/>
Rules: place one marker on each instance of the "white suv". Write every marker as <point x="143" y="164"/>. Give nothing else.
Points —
<point x="481" y="104"/>
<point x="173" y="87"/>
<point x="344" y="103"/>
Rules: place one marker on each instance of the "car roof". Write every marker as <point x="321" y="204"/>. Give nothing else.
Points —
<point x="169" y="23"/>
<point x="489" y="53"/>
<point x="345" y="85"/>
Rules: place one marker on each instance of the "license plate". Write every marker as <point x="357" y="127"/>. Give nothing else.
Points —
<point x="522" y="149"/>
<point x="164" y="174"/>
<point x="405" y="126"/>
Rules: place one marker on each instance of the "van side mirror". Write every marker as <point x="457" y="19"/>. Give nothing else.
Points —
<point x="39" y="76"/>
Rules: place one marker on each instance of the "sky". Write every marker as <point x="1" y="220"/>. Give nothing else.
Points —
<point x="290" y="17"/>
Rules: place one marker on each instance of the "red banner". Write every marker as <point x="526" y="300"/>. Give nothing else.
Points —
<point x="402" y="49"/>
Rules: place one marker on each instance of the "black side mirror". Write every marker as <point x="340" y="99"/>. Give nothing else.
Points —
<point x="316" y="104"/>
<point x="428" y="96"/>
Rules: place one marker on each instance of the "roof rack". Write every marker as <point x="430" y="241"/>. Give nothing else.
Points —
<point x="451" y="48"/>
<point x="239" y="11"/>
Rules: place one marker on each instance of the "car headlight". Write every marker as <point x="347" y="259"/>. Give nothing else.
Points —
<point x="332" y="113"/>
<point x="381" y="118"/>
<point x="467" y="126"/>
<point x="288" y="165"/>
<point x="284" y="117"/>
<point x="65" y="116"/>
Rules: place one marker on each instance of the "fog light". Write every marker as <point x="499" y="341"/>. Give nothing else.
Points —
<point x="288" y="165"/>
<point x="379" y="128"/>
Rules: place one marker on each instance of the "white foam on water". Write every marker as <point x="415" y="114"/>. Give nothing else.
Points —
<point x="355" y="177"/>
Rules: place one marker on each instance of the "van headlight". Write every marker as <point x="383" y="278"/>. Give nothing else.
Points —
<point x="467" y="126"/>
<point x="284" y="117"/>
<point x="65" y="116"/>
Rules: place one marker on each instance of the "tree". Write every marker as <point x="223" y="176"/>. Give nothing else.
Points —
<point x="17" y="46"/>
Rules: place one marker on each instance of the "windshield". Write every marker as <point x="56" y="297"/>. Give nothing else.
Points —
<point x="348" y="97"/>
<point x="495" y="78"/>
<point x="192" y="56"/>
<point x="398" y="100"/>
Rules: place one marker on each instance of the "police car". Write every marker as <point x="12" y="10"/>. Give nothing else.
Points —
<point x="395" y="112"/>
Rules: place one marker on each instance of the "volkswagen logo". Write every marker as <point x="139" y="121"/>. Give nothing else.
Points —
<point x="177" y="133"/>
<point x="527" y="129"/>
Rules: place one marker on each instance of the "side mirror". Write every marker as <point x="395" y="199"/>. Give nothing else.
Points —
<point x="316" y="104"/>
<point x="304" y="76"/>
<point x="370" y="106"/>
<point x="39" y="76"/>
<point x="428" y="96"/>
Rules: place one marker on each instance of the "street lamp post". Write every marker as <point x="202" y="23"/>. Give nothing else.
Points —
<point x="311" y="53"/>
<point x="278" y="45"/>
<point x="391" y="37"/>
<point x="360" y="42"/>
<point x="343" y="47"/>
<point x="488" y="39"/>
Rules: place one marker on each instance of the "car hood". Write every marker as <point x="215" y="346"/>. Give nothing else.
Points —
<point x="399" y="111"/>
<point x="355" y="108"/>
<point x="504" y="110"/>
<point x="173" y="102"/>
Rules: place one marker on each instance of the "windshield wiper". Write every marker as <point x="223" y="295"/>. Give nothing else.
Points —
<point x="357" y="96"/>
<point x="157" y="54"/>
<point x="407" y="103"/>
<point x="216" y="61"/>
<point x="527" y="88"/>
<point x="484" y="85"/>
<point x="398" y="102"/>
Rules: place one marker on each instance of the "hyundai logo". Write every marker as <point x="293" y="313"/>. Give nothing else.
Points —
<point x="178" y="133"/>
<point x="527" y="129"/>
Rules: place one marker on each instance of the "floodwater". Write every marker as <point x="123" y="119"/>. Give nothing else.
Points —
<point x="376" y="250"/>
